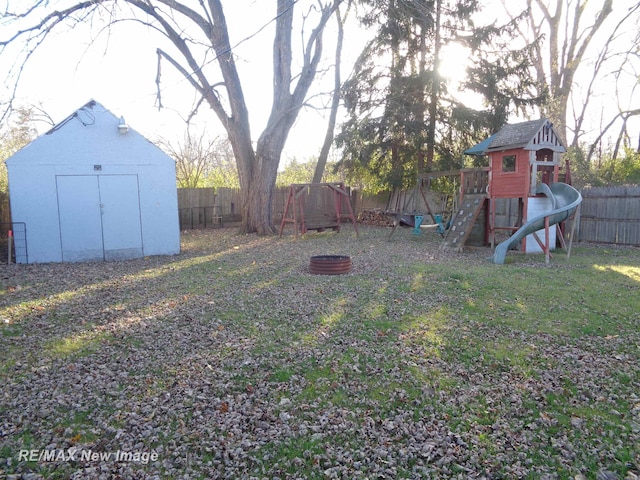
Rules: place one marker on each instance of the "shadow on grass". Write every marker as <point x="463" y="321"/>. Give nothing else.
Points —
<point x="234" y="341"/>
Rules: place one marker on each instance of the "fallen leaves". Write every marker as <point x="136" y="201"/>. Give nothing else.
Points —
<point x="232" y="361"/>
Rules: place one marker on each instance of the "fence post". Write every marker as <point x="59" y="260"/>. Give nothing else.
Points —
<point x="9" y="245"/>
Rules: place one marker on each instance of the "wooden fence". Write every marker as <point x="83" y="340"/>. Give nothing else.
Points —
<point x="5" y="215"/>
<point x="608" y="214"/>
<point x="207" y="207"/>
<point x="204" y="207"/>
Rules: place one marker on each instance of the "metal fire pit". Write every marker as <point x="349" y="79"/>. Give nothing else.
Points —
<point x="330" y="264"/>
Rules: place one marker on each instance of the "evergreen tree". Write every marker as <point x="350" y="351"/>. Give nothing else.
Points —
<point x="403" y="118"/>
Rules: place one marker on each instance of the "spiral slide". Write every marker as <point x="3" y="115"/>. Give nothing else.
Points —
<point x="564" y="199"/>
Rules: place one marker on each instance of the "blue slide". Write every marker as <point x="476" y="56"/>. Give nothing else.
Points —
<point x="564" y="199"/>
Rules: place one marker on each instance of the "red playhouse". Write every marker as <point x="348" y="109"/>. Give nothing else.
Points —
<point x="524" y="167"/>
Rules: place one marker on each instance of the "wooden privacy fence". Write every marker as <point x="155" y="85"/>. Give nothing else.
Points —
<point x="207" y="207"/>
<point x="610" y="215"/>
<point x="197" y="208"/>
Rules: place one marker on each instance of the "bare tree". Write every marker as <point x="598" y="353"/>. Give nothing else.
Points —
<point x="196" y="157"/>
<point x="572" y="34"/>
<point x="335" y="102"/>
<point x="197" y="38"/>
<point x="14" y="136"/>
<point x="624" y="116"/>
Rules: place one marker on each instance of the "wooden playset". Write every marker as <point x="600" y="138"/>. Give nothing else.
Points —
<point x="455" y="217"/>
<point x="524" y="159"/>
<point x="524" y="165"/>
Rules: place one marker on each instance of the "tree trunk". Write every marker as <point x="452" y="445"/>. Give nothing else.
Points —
<point x="335" y="104"/>
<point x="434" y="95"/>
<point x="422" y="69"/>
<point x="258" y="170"/>
<point x="260" y="217"/>
<point x="192" y="32"/>
<point x="258" y="195"/>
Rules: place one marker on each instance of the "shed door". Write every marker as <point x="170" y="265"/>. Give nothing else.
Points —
<point x="121" y="229"/>
<point x="99" y="217"/>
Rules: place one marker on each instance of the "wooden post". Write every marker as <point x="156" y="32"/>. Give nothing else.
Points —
<point x="533" y="181"/>
<point x="547" y="249"/>
<point x="342" y="192"/>
<point x="492" y="222"/>
<point x="576" y="217"/>
<point x="286" y="211"/>
<point x="299" y="192"/>
<point x="337" y="202"/>
<point x="9" y="246"/>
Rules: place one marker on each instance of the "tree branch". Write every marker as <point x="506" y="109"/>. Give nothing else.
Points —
<point x="624" y="115"/>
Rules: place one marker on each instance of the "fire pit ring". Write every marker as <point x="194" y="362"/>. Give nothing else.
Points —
<point x="330" y="264"/>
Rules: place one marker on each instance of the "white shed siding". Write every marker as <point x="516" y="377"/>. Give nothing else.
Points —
<point x="55" y="186"/>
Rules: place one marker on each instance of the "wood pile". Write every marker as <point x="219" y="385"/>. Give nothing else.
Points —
<point x="375" y="217"/>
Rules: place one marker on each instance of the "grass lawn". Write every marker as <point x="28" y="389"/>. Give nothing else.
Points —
<point x="230" y="360"/>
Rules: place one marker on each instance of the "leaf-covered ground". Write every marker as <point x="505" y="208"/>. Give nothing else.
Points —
<point x="230" y="360"/>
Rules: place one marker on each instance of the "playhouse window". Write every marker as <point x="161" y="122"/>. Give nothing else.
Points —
<point x="509" y="163"/>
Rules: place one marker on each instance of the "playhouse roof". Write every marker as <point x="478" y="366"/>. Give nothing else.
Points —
<point x="480" y="148"/>
<point x="531" y="135"/>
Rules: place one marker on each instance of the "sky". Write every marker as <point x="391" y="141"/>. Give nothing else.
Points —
<point x="119" y="70"/>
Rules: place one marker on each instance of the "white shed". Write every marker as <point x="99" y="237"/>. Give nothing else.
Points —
<point x="93" y="189"/>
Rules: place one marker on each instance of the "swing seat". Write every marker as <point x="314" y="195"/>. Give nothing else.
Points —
<point x="320" y="222"/>
<point x="441" y="228"/>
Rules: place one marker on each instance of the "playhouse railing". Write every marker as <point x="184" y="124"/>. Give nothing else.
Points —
<point x="474" y="180"/>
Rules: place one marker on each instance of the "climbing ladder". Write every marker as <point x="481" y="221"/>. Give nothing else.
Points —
<point x="465" y="217"/>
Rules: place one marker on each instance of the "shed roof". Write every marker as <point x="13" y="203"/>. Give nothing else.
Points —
<point x="91" y="135"/>
<point x="86" y="107"/>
